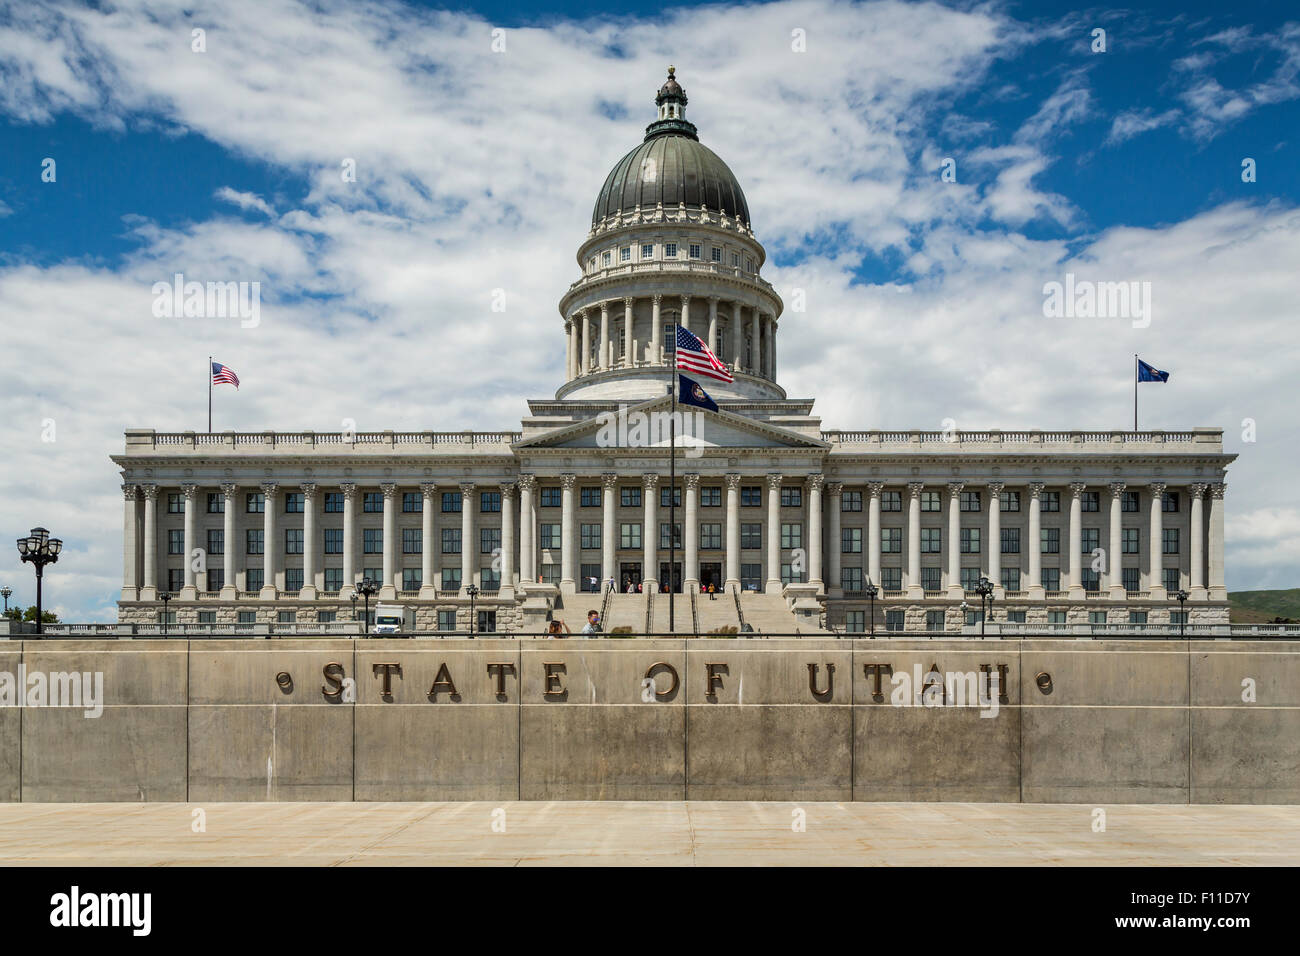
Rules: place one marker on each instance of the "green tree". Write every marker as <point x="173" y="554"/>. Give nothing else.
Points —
<point x="29" y="615"/>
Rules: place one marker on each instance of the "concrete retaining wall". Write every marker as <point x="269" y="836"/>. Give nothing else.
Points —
<point x="1118" y="722"/>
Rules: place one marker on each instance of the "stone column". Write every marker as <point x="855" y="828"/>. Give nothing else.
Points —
<point x="874" y="488"/>
<point x="1076" y="539"/>
<point x="584" y="360"/>
<point x="1196" y="589"/>
<point x="656" y="356"/>
<point x="229" y="491"/>
<point x="686" y="312"/>
<point x="713" y="324"/>
<point x="349" y="587"/>
<point x="468" y="546"/>
<point x="756" y="339"/>
<point x="130" y="545"/>
<point x="629" y="339"/>
<point x="691" y="533"/>
<point x="388" y="586"/>
<point x="527" y="531"/>
<point x="814" y="486"/>
<point x="650" y="530"/>
<point x="914" y="587"/>
<point x="507" y="589"/>
<point x="189" y="590"/>
<point x="994" y="545"/>
<point x="772" y="584"/>
<point x="955" y="590"/>
<point x="428" y="496"/>
<point x="149" y="590"/>
<point x="569" y="326"/>
<point x="732" y="582"/>
<point x="568" y="537"/>
<point x="835" y="545"/>
<point x="270" y="553"/>
<point x="604" y="359"/>
<point x="1217" y="590"/>
<point x="608" y="529"/>
<point x="1115" y="556"/>
<point x="1036" y="590"/>
<point x="771" y="348"/>
<point x="308" y="592"/>
<point x="737" y="337"/>
<point x="1156" y="587"/>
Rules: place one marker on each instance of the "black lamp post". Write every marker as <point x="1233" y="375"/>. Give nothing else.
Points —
<point x="40" y="549"/>
<point x="472" y="591"/>
<point x="984" y="588"/>
<point x="366" y="588"/>
<point x="164" y="597"/>
<point x="1182" y="612"/>
<point x="4" y="593"/>
<point x="871" y="592"/>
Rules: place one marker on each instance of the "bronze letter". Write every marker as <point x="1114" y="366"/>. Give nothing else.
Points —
<point x="336" y="681"/>
<point x="821" y="695"/>
<point x="554" y="687"/>
<point x="868" y="669"/>
<point x="1002" y="685"/>
<point x="650" y="673"/>
<point x="501" y="675"/>
<point x="443" y="680"/>
<point x="714" y="679"/>
<point x="388" y="668"/>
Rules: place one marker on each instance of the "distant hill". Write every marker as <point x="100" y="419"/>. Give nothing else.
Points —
<point x="1260" y="607"/>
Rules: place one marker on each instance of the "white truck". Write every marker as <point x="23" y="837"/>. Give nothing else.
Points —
<point x="393" y="619"/>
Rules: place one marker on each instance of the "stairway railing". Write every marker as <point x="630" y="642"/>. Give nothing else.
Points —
<point x="695" y="616"/>
<point x="649" y="610"/>
<point x="604" y="608"/>
<point x="740" y="614"/>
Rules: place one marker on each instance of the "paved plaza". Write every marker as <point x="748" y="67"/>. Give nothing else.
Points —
<point x="644" y="834"/>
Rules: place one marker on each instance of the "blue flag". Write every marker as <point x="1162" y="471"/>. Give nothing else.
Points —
<point x="1149" y="373"/>
<point x="690" y="393"/>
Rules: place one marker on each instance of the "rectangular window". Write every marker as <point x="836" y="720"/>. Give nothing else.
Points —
<point x="334" y="502"/>
<point x="894" y="620"/>
<point x="175" y="504"/>
<point x="791" y="535"/>
<point x="253" y="541"/>
<point x="1169" y="540"/>
<point x="176" y="541"/>
<point x="1137" y="617"/>
<point x="891" y="579"/>
<point x="333" y="542"/>
<point x="969" y="578"/>
<point x="207" y="617"/>
<point x="1170" y="501"/>
<point x="850" y="540"/>
<point x="1090" y="539"/>
<point x="216" y="504"/>
<point x="604" y="258"/>
<point x="647" y="251"/>
<point x="487" y="622"/>
<point x="791" y="497"/>
<point x="788" y="576"/>
<point x="451" y="579"/>
<point x="934" y="620"/>
<point x="1132" y="578"/>
<point x="1015" y="617"/>
<point x="663" y="535"/>
<point x="1171" y="582"/>
<point x="412" y="540"/>
<point x="446" y="620"/>
<point x="891" y="540"/>
<point x="451" y="502"/>
<point x="891" y="501"/>
<point x="255" y="503"/>
<point x="970" y="540"/>
<point x="751" y="577"/>
<point x="1175" y="617"/>
<point x="931" y="541"/>
<point x="551" y="497"/>
<point x="1009" y="501"/>
<point x="589" y="536"/>
<point x="629" y="535"/>
<point x="1051" y="579"/>
<point x="1056" y="617"/>
<point x="851" y="579"/>
<point x="665" y="502"/>
<point x="751" y="496"/>
<point x="489" y="502"/>
<point x="1091" y="580"/>
<point x="1010" y="540"/>
<point x="1131" y="502"/>
<point x="630" y="497"/>
<point x="216" y="579"/>
<point x="372" y="541"/>
<point x="855" y="622"/>
<point x="287" y="617"/>
<point x="247" y="617"/>
<point x="451" y="540"/>
<point x="695" y="250"/>
<point x="970" y="501"/>
<point x="851" y="501"/>
<point x="489" y="540"/>
<point x="589" y="497"/>
<point x="590" y="577"/>
<point x="751" y="535"/>
<point x="1011" y="579"/>
<point x="1090" y="501"/>
<point x="1129" y="540"/>
<point x="710" y="537"/>
<point x="710" y="497"/>
<point x="670" y="250"/>
<point x="1096" y="617"/>
<point x="293" y="503"/>
<point x="253" y="579"/>
<point x="412" y="502"/>
<point x="550" y="536"/>
<point x="625" y="254"/>
<point x="412" y="578"/>
<point x="293" y="540"/>
<point x="930" y="501"/>
<point x="175" y="579"/>
<point x="333" y="579"/>
<point x="715" y="254"/>
<point x="372" y="502"/>
<point x="293" y="579"/>
<point x="1051" y="540"/>
<point x="931" y="579"/>
<point x="1050" y="501"/>
<point x="735" y="260"/>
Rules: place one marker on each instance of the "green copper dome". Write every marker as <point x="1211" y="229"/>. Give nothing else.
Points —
<point x="671" y="167"/>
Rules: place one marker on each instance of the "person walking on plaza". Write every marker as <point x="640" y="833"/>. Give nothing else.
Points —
<point x="711" y="590"/>
<point x="593" y="624"/>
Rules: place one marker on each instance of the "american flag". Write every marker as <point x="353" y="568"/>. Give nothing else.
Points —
<point x="224" y="375"/>
<point x="696" y="357"/>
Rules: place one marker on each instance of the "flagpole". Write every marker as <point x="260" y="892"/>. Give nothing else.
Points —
<point x="209" y="394"/>
<point x="1135" y="391"/>
<point x="672" y="486"/>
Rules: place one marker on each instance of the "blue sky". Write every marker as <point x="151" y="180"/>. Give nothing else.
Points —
<point x="478" y="170"/>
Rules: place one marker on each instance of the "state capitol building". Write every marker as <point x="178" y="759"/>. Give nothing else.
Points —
<point x="792" y="521"/>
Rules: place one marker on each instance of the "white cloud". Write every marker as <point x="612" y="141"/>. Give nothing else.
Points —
<point x="244" y="200"/>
